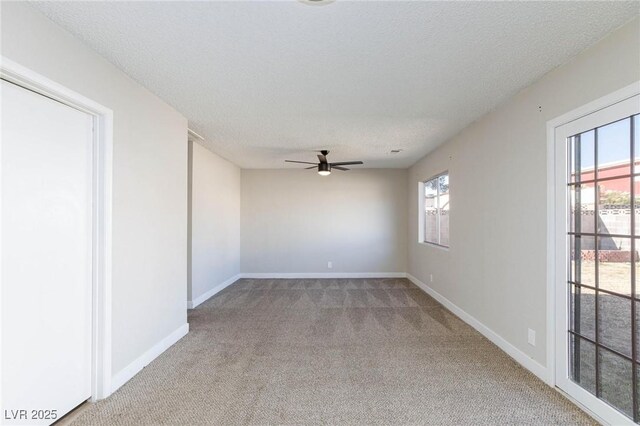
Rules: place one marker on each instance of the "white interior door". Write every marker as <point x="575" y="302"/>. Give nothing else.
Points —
<point x="46" y="256"/>
<point x="597" y="244"/>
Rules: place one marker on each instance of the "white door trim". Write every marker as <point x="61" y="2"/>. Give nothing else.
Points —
<point x="555" y="245"/>
<point x="102" y="171"/>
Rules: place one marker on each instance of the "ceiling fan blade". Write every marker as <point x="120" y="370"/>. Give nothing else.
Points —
<point x="339" y="168"/>
<point x="322" y="158"/>
<point x="346" y="163"/>
<point x="301" y="162"/>
<point x="312" y="167"/>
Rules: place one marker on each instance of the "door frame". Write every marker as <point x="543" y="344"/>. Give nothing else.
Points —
<point x="102" y="212"/>
<point x="556" y="245"/>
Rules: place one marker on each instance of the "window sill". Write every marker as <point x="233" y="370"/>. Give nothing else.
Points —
<point x="434" y="245"/>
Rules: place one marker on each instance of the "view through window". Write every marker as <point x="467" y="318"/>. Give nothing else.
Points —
<point x="436" y="205"/>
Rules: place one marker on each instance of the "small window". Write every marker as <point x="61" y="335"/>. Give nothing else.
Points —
<point x="435" y="214"/>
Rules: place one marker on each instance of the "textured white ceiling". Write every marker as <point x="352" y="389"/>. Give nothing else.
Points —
<point x="267" y="81"/>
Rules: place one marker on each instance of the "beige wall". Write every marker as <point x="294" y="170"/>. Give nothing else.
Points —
<point x="149" y="180"/>
<point x="215" y="221"/>
<point x="496" y="267"/>
<point x="297" y="221"/>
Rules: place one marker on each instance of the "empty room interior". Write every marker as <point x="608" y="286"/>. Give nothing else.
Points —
<point x="320" y="212"/>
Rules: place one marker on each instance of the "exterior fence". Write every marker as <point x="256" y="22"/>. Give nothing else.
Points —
<point x="614" y="233"/>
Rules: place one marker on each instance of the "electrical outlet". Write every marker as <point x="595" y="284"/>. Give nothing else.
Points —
<point x="531" y="337"/>
<point x="330" y="264"/>
<point x="431" y="277"/>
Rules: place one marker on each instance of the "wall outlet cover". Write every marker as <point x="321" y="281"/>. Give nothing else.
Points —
<point x="531" y="337"/>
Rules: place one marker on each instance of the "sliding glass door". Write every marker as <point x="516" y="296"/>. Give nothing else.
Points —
<point x="598" y="329"/>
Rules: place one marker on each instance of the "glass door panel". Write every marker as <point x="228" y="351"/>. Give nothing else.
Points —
<point x="603" y="186"/>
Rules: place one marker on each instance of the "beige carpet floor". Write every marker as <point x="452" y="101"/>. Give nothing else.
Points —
<point x="365" y="351"/>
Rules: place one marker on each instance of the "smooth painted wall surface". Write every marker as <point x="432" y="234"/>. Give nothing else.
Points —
<point x="297" y="221"/>
<point x="215" y="221"/>
<point x="496" y="267"/>
<point x="149" y="180"/>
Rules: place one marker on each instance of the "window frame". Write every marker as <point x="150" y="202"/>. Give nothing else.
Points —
<point x="422" y="220"/>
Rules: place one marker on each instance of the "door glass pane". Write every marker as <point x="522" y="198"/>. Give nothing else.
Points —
<point x="582" y="157"/>
<point x="583" y="269"/>
<point x="574" y="176"/>
<point x="614" y="266"/>
<point x="636" y="141"/>
<point x="637" y="331"/>
<point x="614" y="204"/>
<point x="582" y="363"/>
<point x="636" y="257"/>
<point x="636" y="207"/>
<point x="614" y="149"/>
<point x="616" y="380"/>
<point x="583" y="308"/>
<point x="582" y="208"/>
<point x="637" y="392"/>
<point x="614" y="322"/>
<point x="637" y="363"/>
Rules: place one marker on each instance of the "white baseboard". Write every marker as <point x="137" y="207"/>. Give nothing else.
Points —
<point x="206" y="296"/>
<point x="523" y="359"/>
<point x="124" y="375"/>
<point x="302" y="275"/>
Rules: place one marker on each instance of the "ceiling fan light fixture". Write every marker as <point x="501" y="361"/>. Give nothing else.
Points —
<point x="324" y="169"/>
<point x="316" y="2"/>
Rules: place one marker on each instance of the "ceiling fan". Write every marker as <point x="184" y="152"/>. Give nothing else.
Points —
<point x="324" y="167"/>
